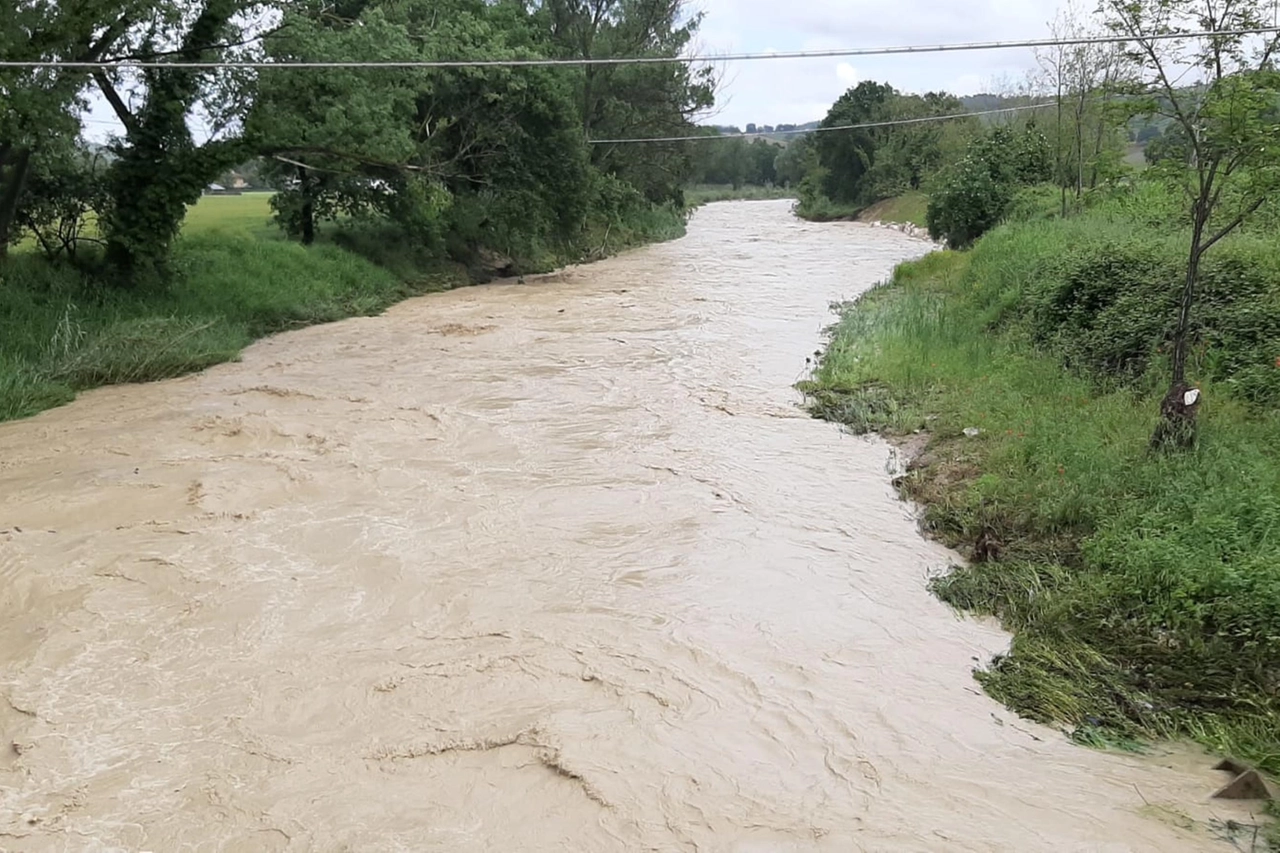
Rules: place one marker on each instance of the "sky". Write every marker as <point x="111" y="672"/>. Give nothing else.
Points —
<point x="795" y="91"/>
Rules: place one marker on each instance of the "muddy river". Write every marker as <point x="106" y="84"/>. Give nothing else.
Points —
<point x="541" y="567"/>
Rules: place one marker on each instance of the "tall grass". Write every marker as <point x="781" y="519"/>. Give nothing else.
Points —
<point x="1143" y="590"/>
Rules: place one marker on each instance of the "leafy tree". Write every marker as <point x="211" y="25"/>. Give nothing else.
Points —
<point x="733" y="160"/>
<point x="848" y="155"/>
<point x="1229" y="121"/>
<point x="974" y="195"/>
<point x="907" y="154"/>
<point x="335" y="138"/>
<point x="39" y="104"/>
<point x="160" y="168"/>
<point x="795" y="161"/>
<point x="865" y="164"/>
<point x="627" y="101"/>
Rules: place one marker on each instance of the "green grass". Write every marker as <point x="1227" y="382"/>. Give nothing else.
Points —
<point x="1143" y="590"/>
<point x="822" y="209"/>
<point x="249" y="213"/>
<point x="910" y="207"/>
<point x="700" y="194"/>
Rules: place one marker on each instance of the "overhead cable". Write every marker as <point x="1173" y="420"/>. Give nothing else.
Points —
<point x="636" y="60"/>
<point x="800" y="131"/>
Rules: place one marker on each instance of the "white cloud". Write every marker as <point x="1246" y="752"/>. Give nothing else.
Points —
<point x="774" y="91"/>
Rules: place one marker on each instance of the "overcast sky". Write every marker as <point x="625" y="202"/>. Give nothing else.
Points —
<point x="800" y="90"/>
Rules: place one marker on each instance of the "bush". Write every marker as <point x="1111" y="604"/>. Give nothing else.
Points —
<point x="966" y="203"/>
<point x="59" y="201"/>
<point x="974" y="195"/>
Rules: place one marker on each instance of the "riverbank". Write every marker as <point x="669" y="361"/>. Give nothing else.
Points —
<point x="233" y="280"/>
<point x="1143" y="591"/>
<point x="908" y="209"/>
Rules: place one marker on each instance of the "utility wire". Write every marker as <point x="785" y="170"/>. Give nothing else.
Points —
<point x="863" y="126"/>
<point x="638" y="60"/>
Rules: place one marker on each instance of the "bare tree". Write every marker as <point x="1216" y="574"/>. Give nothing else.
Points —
<point x="1084" y="77"/>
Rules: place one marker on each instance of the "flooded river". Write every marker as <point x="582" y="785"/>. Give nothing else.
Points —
<point x="541" y="567"/>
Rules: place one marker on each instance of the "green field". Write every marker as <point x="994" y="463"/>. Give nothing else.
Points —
<point x="249" y="213"/>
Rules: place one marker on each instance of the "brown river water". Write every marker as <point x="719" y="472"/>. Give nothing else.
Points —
<point x="541" y="567"/>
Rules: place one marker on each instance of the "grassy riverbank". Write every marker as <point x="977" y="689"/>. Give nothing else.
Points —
<point x="909" y="208"/>
<point x="1143" y="590"/>
<point x="232" y="280"/>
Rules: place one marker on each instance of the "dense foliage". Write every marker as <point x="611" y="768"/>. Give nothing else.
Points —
<point x="974" y="194"/>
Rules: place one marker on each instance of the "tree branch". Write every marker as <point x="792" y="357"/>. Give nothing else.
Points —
<point x="109" y="92"/>
<point x="1233" y="224"/>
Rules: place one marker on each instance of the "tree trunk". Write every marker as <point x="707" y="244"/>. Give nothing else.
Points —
<point x="1062" y="164"/>
<point x="1097" y="147"/>
<point x="1079" y="154"/>
<point x="11" y="185"/>
<point x="307" y="214"/>
<point x="1177" y="427"/>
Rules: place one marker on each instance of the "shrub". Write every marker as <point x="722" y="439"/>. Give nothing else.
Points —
<point x="966" y="203"/>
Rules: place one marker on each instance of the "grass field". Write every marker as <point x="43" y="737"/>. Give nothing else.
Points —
<point x="249" y="213"/>
<point x="231" y="278"/>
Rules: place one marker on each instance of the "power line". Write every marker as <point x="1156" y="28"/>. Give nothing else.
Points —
<point x="638" y="60"/>
<point x="863" y="126"/>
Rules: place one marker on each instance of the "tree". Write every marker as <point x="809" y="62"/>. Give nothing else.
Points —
<point x="624" y="101"/>
<point x="1085" y="76"/>
<point x="1228" y="116"/>
<point x="907" y="154"/>
<point x="847" y="155"/>
<point x="795" y="162"/>
<point x="865" y="164"/>
<point x="973" y="195"/>
<point x="40" y="104"/>
<point x="160" y="168"/>
<point x="335" y="137"/>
